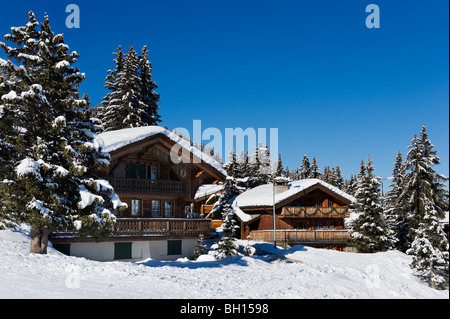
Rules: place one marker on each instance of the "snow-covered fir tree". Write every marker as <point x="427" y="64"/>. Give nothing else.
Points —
<point x="132" y="101"/>
<point x="279" y="171"/>
<point x="54" y="155"/>
<point x="350" y="185"/>
<point x="315" y="171"/>
<point x="111" y="83"/>
<point x="369" y="232"/>
<point x="232" y="167"/>
<point x="305" y="168"/>
<point x="147" y="87"/>
<point x="326" y="176"/>
<point x="424" y="199"/>
<point x="244" y="164"/>
<point x="395" y="215"/>
<point x="259" y="167"/>
<point x="200" y="248"/>
<point x="226" y="246"/>
<point x="338" y="178"/>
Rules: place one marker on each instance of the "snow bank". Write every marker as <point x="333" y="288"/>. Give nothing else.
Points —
<point x="299" y="272"/>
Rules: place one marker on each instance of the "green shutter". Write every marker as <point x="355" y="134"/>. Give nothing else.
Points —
<point x="122" y="250"/>
<point x="132" y="170"/>
<point x="63" y="248"/>
<point x="142" y="171"/>
<point x="174" y="247"/>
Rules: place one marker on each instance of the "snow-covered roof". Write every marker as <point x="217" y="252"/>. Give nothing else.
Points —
<point x="114" y="140"/>
<point x="208" y="189"/>
<point x="262" y="196"/>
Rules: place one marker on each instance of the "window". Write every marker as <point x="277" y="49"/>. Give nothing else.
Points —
<point x="155" y="208"/>
<point x="153" y="172"/>
<point x="174" y="247"/>
<point x="168" y="208"/>
<point x="135" y="207"/>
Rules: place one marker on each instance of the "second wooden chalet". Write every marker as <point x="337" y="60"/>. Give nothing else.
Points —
<point x="157" y="174"/>
<point x="308" y="212"/>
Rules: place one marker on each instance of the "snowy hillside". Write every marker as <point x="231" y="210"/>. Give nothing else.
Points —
<point x="300" y="272"/>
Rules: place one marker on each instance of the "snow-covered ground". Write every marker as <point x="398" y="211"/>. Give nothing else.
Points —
<point x="300" y="272"/>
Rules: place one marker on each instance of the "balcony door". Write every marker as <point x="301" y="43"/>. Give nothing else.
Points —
<point x="168" y="208"/>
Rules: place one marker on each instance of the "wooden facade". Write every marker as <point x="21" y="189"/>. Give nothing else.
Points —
<point x="151" y="184"/>
<point x="158" y="192"/>
<point x="314" y="217"/>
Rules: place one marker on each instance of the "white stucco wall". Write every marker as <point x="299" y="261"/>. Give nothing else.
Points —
<point x="140" y="250"/>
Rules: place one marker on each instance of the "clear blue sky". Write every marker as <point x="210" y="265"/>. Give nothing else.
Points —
<point x="334" y="88"/>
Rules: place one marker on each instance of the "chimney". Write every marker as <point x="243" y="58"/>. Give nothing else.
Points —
<point x="281" y="185"/>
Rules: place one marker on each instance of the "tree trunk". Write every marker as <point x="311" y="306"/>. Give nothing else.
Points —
<point x="39" y="241"/>
<point x="433" y="284"/>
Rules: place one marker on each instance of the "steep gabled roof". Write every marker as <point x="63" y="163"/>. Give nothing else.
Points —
<point x="114" y="141"/>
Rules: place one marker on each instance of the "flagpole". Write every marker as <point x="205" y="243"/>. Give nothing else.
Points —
<point x="274" y="219"/>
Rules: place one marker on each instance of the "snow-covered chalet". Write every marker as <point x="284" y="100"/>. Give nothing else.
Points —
<point x="309" y="212"/>
<point x="157" y="174"/>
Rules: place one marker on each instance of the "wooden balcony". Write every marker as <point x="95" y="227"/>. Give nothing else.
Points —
<point x="302" y="236"/>
<point x="147" y="185"/>
<point x="173" y="227"/>
<point x="315" y="212"/>
<point x="148" y="229"/>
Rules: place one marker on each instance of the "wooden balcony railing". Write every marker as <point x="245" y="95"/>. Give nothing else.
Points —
<point x="315" y="212"/>
<point x="302" y="236"/>
<point x="145" y="228"/>
<point x="133" y="184"/>
<point x="190" y="227"/>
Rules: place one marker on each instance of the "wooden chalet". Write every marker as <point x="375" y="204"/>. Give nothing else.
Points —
<point x="308" y="212"/>
<point x="157" y="174"/>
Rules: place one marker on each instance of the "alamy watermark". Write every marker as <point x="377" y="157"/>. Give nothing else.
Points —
<point x="373" y="19"/>
<point x="73" y="19"/>
<point x="237" y="139"/>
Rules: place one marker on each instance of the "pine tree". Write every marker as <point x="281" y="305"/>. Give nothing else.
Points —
<point x="52" y="184"/>
<point x="395" y="216"/>
<point x="244" y="165"/>
<point x="350" y="185"/>
<point x="232" y="167"/>
<point x="200" y="248"/>
<point x="148" y="96"/>
<point x="326" y="176"/>
<point x="338" y="179"/>
<point x="226" y="246"/>
<point x="305" y="168"/>
<point x="255" y="177"/>
<point x="279" y="167"/>
<point x="111" y="83"/>
<point x="315" y="171"/>
<point x="369" y="233"/>
<point x="132" y="101"/>
<point x="423" y="199"/>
